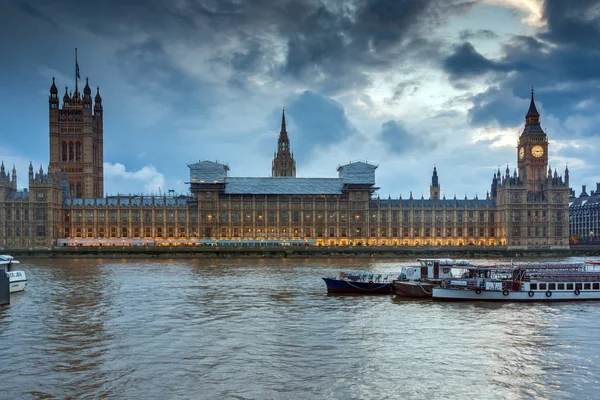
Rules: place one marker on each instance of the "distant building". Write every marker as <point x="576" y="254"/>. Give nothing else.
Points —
<point x="584" y="215"/>
<point x="66" y="206"/>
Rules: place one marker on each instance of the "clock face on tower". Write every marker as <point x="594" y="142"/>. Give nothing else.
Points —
<point x="521" y="153"/>
<point x="537" y="151"/>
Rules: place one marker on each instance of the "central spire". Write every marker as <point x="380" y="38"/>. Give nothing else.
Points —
<point x="283" y="121"/>
<point x="283" y="163"/>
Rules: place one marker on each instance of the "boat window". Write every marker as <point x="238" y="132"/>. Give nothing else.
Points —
<point x="587" y="286"/>
<point x="569" y="286"/>
<point x="596" y="286"/>
<point x="533" y="286"/>
<point x="542" y="286"/>
<point x="561" y="286"/>
<point x="578" y="286"/>
<point x="552" y="286"/>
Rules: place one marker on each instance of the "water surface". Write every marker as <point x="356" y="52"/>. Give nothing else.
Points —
<point x="265" y="329"/>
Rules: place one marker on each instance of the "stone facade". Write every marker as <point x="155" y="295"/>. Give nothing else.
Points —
<point x="584" y="216"/>
<point x="528" y="209"/>
<point x="76" y="140"/>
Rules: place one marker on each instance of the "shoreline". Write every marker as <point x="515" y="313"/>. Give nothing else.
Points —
<point x="298" y="252"/>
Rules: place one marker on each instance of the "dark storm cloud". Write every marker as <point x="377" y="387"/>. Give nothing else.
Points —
<point x="36" y="13"/>
<point x="562" y="62"/>
<point x="398" y="140"/>
<point x="478" y="34"/>
<point x="466" y="62"/>
<point x="495" y="105"/>
<point x="330" y="45"/>
<point x="318" y="120"/>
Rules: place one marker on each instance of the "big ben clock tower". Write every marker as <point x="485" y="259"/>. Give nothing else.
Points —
<point x="532" y="150"/>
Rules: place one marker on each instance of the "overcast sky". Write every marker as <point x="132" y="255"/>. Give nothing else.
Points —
<point x="404" y="84"/>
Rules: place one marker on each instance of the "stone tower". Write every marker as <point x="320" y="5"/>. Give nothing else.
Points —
<point x="76" y="140"/>
<point x="283" y="162"/>
<point x="434" y="188"/>
<point x="532" y="205"/>
<point x="532" y="151"/>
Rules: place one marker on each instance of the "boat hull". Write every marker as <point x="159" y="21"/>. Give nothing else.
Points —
<point x="514" y="296"/>
<point x="18" y="281"/>
<point x="17" y="286"/>
<point x="344" y="286"/>
<point x="413" y="289"/>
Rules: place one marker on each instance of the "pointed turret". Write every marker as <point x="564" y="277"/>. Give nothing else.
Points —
<point x="14" y="177"/>
<point x="2" y="171"/>
<point x="434" y="189"/>
<point x="66" y="97"/>
<point x="53" y="88"/>
<point x="87" y="89"/>
<point x="87" y="96"/>
<point x="53" y="99"/>
<point x="98" y="103"/>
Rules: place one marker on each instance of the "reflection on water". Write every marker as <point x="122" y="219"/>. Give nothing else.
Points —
<point x="257" y="329"/>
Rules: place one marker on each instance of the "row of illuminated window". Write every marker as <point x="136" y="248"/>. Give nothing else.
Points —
<point x="271" y="216"/>
<point x="274" y="232"/>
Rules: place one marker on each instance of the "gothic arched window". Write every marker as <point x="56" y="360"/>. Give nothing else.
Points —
<point x="64" y="151"/>
<point x="78" y="151"/>
<point x="71" y="151"/>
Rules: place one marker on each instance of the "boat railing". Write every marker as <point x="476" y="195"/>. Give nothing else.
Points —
<point x="369" y="277"/>
<point x="566" y="277"/>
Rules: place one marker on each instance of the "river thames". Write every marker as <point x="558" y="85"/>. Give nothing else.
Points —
<point x="265" y="329"/>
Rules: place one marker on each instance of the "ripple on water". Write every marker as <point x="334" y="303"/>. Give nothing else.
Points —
<point x="266" y="329"/>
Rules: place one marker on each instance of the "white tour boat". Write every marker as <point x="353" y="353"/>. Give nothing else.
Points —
<point x="17" y="279"/>
<point x="531" y="282"/>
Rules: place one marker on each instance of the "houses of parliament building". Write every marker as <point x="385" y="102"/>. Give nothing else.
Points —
<point x="65" y="204"/>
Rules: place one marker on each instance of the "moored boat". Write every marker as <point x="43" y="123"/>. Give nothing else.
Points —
<point x="17" y="279"/>
<point x="419" y="281"/>
<point x="523" y="283"/>
<point x="360" y="283"/>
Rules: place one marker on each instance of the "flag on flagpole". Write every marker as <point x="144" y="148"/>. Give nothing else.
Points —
<point x="76" y="65"/>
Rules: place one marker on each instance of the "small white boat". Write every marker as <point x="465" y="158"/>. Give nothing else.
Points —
<point x="17" y="279"/>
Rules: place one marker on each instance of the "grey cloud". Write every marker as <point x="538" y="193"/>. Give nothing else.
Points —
<point x="499" y="106"/>
<point x="319" y="121"/>
<point x="466" y="62"/>
<point x="330" y="45"/>
<point x="36" y="13"/>
<point x="396" y="138"/>
<point x="562" y="62"/>
<point x="478" y="34"/>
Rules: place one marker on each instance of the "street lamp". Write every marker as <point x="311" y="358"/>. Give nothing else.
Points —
<point x="591" y="236"/>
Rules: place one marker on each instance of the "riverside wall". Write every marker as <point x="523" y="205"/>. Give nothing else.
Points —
<point x="460" y="252"/>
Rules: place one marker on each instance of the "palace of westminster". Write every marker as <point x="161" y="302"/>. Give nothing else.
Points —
<point x="65" y="205"/>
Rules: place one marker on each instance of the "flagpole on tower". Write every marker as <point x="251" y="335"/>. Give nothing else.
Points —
<point x="76" y="70"/>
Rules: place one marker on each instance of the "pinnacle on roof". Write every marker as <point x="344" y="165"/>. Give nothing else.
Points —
<point x="53" y="88"/>
<point x="87" y="89"/>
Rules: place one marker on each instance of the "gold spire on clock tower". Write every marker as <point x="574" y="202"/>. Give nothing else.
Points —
<point x="532" y="150"/>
